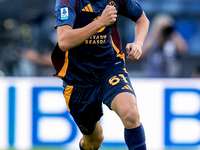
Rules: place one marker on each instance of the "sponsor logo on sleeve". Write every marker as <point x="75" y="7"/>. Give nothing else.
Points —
<point x="64" y="13"/>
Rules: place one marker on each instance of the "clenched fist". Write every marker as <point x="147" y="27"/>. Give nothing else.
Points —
<point x="108" y="16"/>
<point x="134" y="51"/>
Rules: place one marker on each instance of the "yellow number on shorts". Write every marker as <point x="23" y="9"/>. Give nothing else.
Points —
<point x="123" y="77"/>
<point x="114" y="80"/>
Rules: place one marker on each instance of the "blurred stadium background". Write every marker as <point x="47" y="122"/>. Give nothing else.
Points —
<point x="32" y="111"/>
<point x="28" y="25"/>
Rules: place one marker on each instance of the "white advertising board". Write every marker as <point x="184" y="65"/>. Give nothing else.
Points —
<point x="33" y="113"/>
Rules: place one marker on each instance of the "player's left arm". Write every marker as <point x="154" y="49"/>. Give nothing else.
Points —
<point x="134" y="49"/>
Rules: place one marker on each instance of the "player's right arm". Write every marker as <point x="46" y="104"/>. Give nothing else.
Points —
<point x="69" y="38"/>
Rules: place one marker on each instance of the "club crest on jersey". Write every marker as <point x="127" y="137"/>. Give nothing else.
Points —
<point x="64" y="13"/>
<point x="112" y="3"/>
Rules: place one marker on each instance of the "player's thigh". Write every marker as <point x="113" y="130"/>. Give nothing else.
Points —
<point x="125" y="105"/>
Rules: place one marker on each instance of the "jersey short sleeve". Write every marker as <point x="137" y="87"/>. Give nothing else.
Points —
<point x="130" y="9"/>
<point x="65" y="13"/>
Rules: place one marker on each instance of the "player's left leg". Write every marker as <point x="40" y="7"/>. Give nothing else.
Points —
<point x="124" y="104"/>
<point x="94" y="140"/>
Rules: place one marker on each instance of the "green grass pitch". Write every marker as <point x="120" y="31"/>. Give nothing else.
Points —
<point x="67" y="149"/>
<point x="45" y="148"/>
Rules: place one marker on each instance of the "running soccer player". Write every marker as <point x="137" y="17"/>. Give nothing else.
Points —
<point x="89" y="60"/>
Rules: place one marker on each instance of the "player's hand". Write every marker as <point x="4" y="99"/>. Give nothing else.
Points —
<point x="108" y="16"/>
<point x="134" y="51"/>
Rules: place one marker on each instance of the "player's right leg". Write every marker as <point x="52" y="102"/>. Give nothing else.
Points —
<point x="94" y="140"/>
<point x="85" y="107"/>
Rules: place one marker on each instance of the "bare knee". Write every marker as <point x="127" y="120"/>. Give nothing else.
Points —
<point x="130" y="118"/>
<point x="125" y="106"/>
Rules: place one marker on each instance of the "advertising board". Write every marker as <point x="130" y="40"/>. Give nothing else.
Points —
<point x="33" y="113"/>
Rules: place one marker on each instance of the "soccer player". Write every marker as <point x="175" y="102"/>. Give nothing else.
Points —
<point x="89" y="60"/>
